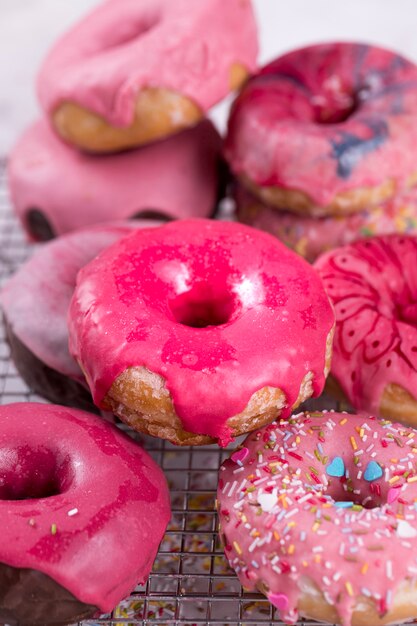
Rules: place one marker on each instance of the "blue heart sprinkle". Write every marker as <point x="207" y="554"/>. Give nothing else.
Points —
<point x="336" y="467"/>
<point x="373" y="471"/>
<point x="343" y="505"/>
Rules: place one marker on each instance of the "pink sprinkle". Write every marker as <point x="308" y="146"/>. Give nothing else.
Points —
<point x="392" y="495"/>
<point x="240" y="455"/>
<point x="279" y="600"/>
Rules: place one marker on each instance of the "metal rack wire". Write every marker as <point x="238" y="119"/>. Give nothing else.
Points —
<point x="191" y="582"/>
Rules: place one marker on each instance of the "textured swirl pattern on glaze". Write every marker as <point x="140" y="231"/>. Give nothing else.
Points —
<point x="217" y="309"/>
<point x="327" y="120"/>
<point x="373" y="286"/>
<point x="322" y="506"/>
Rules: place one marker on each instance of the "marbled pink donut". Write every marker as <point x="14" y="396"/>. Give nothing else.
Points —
<point x="83" y="509"/>
<point x="326" y="121"/>
<point x="175" y="178"/>
<point x="373" y="286"/>
<point x="123" y="46"/>
<point x="318" y="513"/>
<point x="216" y="309"/>
<point x="311" y="236"/>
<point x="35" y="303"/>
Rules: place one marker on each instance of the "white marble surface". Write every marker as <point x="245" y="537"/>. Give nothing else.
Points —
<point x="28" y="27"/>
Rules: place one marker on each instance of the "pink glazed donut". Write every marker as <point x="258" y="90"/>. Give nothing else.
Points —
<point x="83" y="509"/>
<point x="200" y="330"/>
<point x="35" y="305"/>
<point x="132" y="72"/>
<point x="311" y="236"/>
<point x="373" y="286"/>
<point x="56" y="189"/>
<point x="318" y="513"/>
<point x="327" y="129"/>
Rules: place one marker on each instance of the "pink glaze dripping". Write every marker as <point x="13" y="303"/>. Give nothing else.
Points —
<point x="35" y="300"/>
<point x="272" y="317"/>
<point x="98" y="533"/>
<point x="312" y="236"/>
<point x="373" y="286"/>
<point x="124" y="46"/>
<point x="176" y="178"/>
<point x="280" y="515"/>
<point x="327" y="119"/>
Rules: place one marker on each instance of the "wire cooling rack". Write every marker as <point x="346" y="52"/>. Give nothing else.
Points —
<point x="191" y="582"/>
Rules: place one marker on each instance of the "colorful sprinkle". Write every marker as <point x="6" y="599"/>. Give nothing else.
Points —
<point x="279" y="600"/>
<point x="336" y="468"/>
<point x="240" y="455"/>
<point x="373" y="472"/>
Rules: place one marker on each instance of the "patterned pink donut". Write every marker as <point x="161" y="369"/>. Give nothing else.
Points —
<point x="318" y="513"/>
<point x="373" y="286"/>
<point x="326" y="122"/>
<point x="312" y="236"/>
<point x="74" y="489"/>
<point x="56" y="189"/>
<point x="125" y="47"/>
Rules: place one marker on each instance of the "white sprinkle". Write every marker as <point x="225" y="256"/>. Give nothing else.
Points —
<point x="388" y="570"/>
<point x="72" y="512"/>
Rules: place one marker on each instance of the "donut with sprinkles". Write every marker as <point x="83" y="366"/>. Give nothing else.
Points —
<point x="319" y="513"/>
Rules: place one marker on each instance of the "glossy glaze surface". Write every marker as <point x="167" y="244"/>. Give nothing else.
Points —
<point x="324" y="496"/>
<point x="74" y="489"/>
<point x="218" y="309"/>
<point x="124" y="46"/>
<point x="373" y="286"/>
<point x="177" y="178"/>
<point x="327" y="119"/>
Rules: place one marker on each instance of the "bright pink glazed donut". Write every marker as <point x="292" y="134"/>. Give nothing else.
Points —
<point x="373" y="287"/>
<point x="318" y="513"/>
<point x="83" y="509"/>
<point x="56" y="189"/>
<point x="188" y="336"/>
<point x="35" y="305"/>
<point x="327" y="129"/>
<point x="311" y="236"/>
<point x="132" y="72"/>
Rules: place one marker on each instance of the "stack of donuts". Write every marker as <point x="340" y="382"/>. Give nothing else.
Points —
<point x="125" y="94"/>
<point x="198" y="330"/>
<point x="322" y="144"/>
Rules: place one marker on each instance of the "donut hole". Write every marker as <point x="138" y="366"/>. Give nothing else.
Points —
<point x="38" y="225"/>
<point x="28" y="473"/>
<point x="358" y="492"/>
<point x="202" y="307"/>
<point x="335" y="108"/>
<point x="152" y="214"/>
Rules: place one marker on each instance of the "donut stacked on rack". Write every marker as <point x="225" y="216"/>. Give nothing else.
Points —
<point x="322" y="142"/>
<point x="138" y="77"/>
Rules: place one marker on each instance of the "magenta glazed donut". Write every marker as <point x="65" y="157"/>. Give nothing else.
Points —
<point x="327" y="129"/>
<point x="74" y="491"/>
<point x="132" y="72"/>
<point x="56" y="189"/>
<point x="311" y="236"/>
<point x="318" y="513"/>
<point x="373" y="287"/>
<point x="35" y="305"/>
<point x="200" y="330"/>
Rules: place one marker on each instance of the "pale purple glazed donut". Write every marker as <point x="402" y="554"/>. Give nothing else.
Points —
<point x="83" y="509"/>
<point x="56" y="189"/>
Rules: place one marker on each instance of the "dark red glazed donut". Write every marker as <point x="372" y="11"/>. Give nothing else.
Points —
<point x="200" y="330"/>
<point x="327" y="129"/>
<point x="83" y="509"/>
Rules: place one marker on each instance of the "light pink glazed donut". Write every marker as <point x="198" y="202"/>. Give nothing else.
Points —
<point x="200" y="330"/>
<point x="312" y="236"/>
<point x="132" y="72"/>
<point x="373" y="286"/>
<point x="35" y="305"/>
<point x="74" y="491"/>
<point x="56" y="189"/>
<point x="318" y="513"/>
